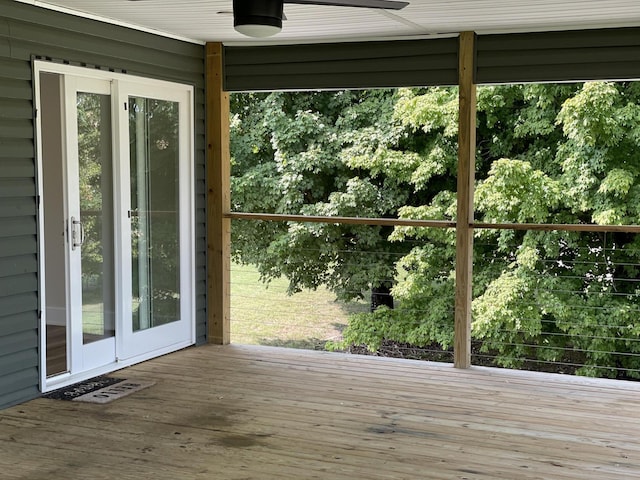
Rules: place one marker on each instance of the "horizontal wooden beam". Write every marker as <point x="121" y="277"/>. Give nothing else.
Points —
<point x="406" y="222"/>
<point x="391" y="222"/>
<point x="559" y="227"/>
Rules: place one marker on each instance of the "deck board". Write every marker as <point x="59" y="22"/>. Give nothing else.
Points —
<point x="243" y="412"/>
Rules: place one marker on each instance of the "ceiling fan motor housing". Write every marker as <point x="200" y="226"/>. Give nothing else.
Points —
<point x="258" y="12"/>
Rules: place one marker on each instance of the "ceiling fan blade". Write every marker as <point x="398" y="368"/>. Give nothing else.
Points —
<point x="384" y="4"/>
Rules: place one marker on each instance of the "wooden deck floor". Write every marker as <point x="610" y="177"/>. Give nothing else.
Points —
<point x="241" y="412"/>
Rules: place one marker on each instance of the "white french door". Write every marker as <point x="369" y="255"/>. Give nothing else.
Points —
<point x="89" y="223"/>
<point x="122" y="290"/>
<point x="156" y="238"/>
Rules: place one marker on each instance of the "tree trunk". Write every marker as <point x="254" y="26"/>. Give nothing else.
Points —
<point x="381" y="296"/>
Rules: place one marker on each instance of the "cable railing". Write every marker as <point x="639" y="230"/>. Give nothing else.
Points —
<point x="564" y="303"/>
<point x="569" y="306"/>
<point x="264" y="313"/>
<point x="292" y="314"/>
<point x="269" y="312"/>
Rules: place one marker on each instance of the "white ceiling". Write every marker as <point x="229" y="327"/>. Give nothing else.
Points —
<point x="211" y="20"/>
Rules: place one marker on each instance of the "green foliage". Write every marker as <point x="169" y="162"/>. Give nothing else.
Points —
<point x="599" y="155"/>
<point x="507" y="317"/>
<point x="93" y="152"/>
<point x="561" y="292"/>
<point x="546" y="154"/>
<point x="322" y="153"/>
<point x="514" y="192"/>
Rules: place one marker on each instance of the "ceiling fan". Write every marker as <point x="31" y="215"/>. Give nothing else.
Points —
<point x="263" y="18"/>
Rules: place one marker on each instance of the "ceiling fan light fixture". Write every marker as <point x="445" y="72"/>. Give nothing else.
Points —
<point x="259" y="27"/>
<point x="258" y="18"/>
<point x="263" y="18"/>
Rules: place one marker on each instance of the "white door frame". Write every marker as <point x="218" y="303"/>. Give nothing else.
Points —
<point x="80" y="356"/>
<point x="130" y="347"/>
<point x="133" y="344"/>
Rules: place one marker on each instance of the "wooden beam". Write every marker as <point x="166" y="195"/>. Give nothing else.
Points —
<point x="466" y="175"/>
<point x="389" y="222"/>
<point x="218" y="199"/>
<point x="559" y="227"/>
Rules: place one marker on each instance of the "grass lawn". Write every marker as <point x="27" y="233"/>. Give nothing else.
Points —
<point x="265" y="315"/>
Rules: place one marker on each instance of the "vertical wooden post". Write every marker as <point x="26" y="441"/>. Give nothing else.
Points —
<point x="466" y="175"/>
<point x="218" y="199"/>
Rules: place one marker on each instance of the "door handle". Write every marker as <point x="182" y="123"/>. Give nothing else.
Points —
<point x="77" y="234"/>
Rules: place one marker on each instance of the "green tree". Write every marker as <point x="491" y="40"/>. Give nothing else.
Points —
<point x="586" y="298"/>
<point x="93" y="152"/>
<point x="325" y="153"/>
<point x="546" y="154"/>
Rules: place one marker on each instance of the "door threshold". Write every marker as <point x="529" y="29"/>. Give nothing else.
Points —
<point x="66" y="379"/>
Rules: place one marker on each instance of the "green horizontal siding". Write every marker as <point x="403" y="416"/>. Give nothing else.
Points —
<point x="16" y="168"/>
<point x="20" y="322"/>
<point x="21" y="303"/>
<point x="559" y="56"/>
<point x="22" y="384"/>
<point x="15" y="88"/>
<point x="28" y="32"/>
<point x="16" y="128"/>
<point x="18" y="342"/>
<point x="17" y="265"/>
<point x="12" y="227"/>
<point x="526" y="57"/>
<point x="15" y="69"/>
<point x="11" y="247"/>
<point x="16" y="109"/>
<point x="19" y="353"/>
<point x="17" y="187"/>
<point x="17" y="206"/>
<point x="68" y="23"/>
<point x="342" y="65"/>
<point x="18" y="284"/>
<point x="18" y="362"/>
<point x="17" y="148"/>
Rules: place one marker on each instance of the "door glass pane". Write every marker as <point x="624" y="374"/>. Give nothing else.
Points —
<point x="54" y="221"/>
<point x="154" y="153"/>
<point x="94" y="229"/>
